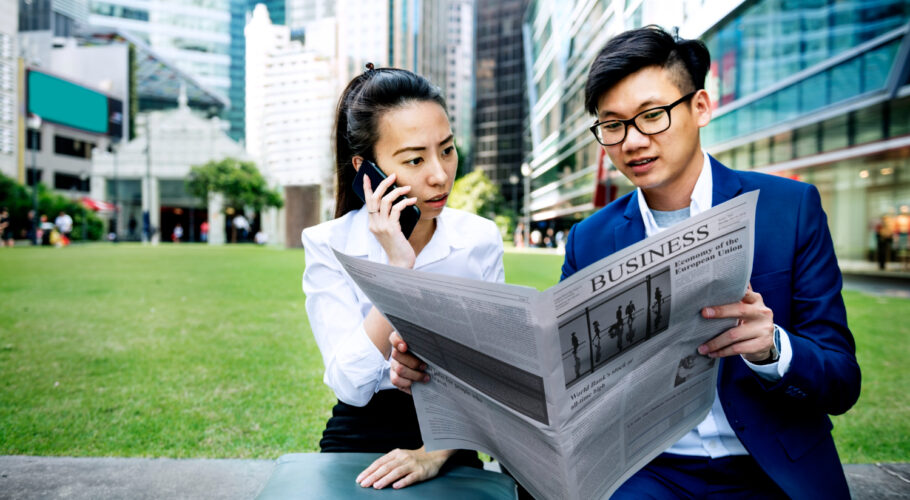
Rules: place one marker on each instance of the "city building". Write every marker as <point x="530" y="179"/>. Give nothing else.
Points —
<point x="460" y="75"/>
<point x="148" y="174"/>
<point x="10" y="121"/>
<point x="69" y="117"/>
<point x="98" y="70"/>
<point x="364" y="35"/>
<point x="301" y="12"/>
<point x="59" y="17"/>
<point x="290" y="102"/>
<point x="432" y="41"/>
<point x="818" y="91"/>
<point x="291" y="97"/>
<point x="194" y="37"/>
<point x="501" y="109"/>
<point x="407" y="34"/>
<point x="562" y="39"/>
<point x="812" y="90"/>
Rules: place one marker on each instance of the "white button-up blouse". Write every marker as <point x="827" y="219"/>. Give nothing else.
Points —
<point x="463" y="245"/>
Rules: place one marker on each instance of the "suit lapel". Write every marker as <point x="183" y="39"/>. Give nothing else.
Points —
<point x="632" y="229"/>
<point x="726" y="184"/>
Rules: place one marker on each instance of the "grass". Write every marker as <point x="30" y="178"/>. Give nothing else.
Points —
<point x="195" y="351"/>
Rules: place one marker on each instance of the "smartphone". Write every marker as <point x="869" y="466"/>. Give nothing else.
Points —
<point x="409" y="216"/>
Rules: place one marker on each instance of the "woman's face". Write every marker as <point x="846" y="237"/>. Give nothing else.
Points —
<point x="416" y="143"/>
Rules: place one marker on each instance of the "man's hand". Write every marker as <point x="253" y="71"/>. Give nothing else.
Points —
<point x="401" y="468"/>
<point x="406" y="368"/>
<point x="753" y="337"/>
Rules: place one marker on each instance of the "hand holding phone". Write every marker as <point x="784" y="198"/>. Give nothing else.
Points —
<point x="409" y="215"/>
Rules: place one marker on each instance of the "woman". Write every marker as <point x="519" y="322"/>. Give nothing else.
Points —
<point x="397" y="120"/>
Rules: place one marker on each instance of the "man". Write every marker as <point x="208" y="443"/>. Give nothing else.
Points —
<point x="790" y="362"/>
<point x="64" y="224"/>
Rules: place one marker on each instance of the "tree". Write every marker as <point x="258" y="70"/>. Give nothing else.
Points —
<point x="238" y="181"/>
<point x="18" y="199"/>
<point x="476" y="193"/>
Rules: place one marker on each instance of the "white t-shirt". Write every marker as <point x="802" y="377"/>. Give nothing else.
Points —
<point x="64" y="223"/>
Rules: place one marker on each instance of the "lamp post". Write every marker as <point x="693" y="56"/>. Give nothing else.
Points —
<point x="147" y="206"/>
<point x="513" y="180"/>
<point x="34" y="124"/>
<point x="526" y="173"/>
<point x="115" y="141"/>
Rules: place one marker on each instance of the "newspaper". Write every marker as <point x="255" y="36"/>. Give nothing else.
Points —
<point x="575" y="388"/>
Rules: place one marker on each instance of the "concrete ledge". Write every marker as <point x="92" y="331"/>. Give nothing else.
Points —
<point x="25" y="477"/>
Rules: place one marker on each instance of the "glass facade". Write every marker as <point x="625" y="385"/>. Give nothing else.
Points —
<point x="859" y="196"/>
<point x="773" y="40"/>
<point x="806" y="89"/>
<point x="564" y="155"/>
<point x="863" y="73"/>
<point x="501" y="107"/>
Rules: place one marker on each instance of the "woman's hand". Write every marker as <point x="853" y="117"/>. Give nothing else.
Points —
<point x="402" y="468"/>
<point x="406" y="368"/>
<point x="384" y="220"/>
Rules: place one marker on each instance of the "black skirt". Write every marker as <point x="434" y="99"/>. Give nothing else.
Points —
<point x="387" y="422"/>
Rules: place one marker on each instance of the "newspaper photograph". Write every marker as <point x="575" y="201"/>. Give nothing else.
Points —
<point x="575" y="388"/>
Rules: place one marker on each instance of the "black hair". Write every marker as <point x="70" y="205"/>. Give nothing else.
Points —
<point x="686" y="61"/>
<point x="364" y="101"/>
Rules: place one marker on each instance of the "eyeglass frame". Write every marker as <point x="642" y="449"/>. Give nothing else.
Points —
<point x="631" y="121"/>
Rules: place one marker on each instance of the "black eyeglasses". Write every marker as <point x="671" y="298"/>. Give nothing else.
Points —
<point x="649" y="122"/>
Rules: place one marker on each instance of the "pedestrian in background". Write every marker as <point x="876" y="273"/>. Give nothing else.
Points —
<point x="6" y="228"/>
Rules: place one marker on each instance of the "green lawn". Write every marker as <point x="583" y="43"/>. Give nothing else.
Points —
<point x="192" y="351"/>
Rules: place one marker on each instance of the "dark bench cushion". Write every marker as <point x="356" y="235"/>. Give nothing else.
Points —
<point x="331" y="475"/>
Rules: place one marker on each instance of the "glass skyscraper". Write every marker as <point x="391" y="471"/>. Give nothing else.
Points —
<point x="815" y="90"/>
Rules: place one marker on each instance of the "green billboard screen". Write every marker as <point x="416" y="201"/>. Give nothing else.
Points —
<point x="59" y="101"/>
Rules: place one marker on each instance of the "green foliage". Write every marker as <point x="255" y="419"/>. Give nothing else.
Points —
<point x="239" y="181"/>
<point x="476" y="193"/>
<point x="18" y="199"/>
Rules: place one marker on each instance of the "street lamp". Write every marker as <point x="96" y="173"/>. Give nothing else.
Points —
<point x="526" y="173"/>
<point x="33" y="122"/>
<point x="513" y="180"/>
<point x="113" y="146"/>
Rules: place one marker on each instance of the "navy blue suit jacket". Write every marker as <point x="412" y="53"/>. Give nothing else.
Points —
<point x="784" y="425"/>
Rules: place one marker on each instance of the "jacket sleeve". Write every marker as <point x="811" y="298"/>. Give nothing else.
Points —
<point x="354" y="367"/>
<point x="569" y="265"/>
<point x="823" y="372"/>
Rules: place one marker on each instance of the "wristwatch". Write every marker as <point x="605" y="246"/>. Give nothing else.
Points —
<point x="774" y="355"/>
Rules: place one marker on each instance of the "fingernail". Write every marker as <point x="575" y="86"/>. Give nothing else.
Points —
<point x="423" y="367"/>
<point x="426" y="378"/>
<point x="709" y="312"/>
<point x="702" y="349"/>
<point x="401" y="347"/>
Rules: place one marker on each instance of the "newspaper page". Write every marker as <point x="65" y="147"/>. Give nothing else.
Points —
<point x="575" y="388"/>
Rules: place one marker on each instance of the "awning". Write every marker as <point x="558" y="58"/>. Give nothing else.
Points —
<point x="97" y="205"/>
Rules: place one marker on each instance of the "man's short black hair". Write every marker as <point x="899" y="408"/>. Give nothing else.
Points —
<point x="686" y="61"/>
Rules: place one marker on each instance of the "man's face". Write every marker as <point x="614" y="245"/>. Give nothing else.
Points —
<point x="670" y="160"/>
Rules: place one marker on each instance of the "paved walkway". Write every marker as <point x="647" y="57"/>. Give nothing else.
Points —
<point x="27" y="478"/>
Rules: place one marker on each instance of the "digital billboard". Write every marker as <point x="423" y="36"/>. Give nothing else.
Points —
<point x="59" y="101"/>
